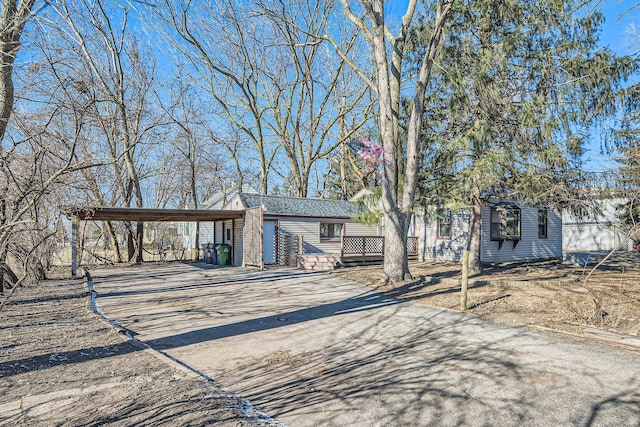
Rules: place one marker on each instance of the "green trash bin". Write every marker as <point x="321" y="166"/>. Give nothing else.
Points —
<point x="224" y="255"/>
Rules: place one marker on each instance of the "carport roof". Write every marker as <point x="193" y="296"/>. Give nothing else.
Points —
<point x="101" y="213"/>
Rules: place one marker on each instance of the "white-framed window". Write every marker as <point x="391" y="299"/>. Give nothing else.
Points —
<point x="444" y="224"/>
<point x="543" y="218"/>
<point x="331" y="230"/>
<point x="505" y="223"/>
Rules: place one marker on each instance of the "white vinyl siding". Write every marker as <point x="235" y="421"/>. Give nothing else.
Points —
<point x="595" y="232"/>
<point x="530" y="246"/>
<point x="237" y="242"/>
<point x="309" y="228"/>
<point x="432" y="247"/>
<point x="357" y="229"/>
<point x="206" y="233"/>
<point x="218" y="232"/>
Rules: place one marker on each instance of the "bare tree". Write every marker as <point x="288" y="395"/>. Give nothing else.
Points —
<point x="270" y="78"/>
<point x="388" y="54"/>
<point x="39" y="157"/>
<point x="115" y="70"/>
<point x="311" y="90"/>
<point x="228" y="71"/>
<point x="13" y="18"/>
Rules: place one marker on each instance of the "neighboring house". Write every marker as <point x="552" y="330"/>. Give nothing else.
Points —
<point x="187" y="230"/>
<point x="320" y="222"/>
<point x="596" y="231"/>
<point x="510" y="231"/>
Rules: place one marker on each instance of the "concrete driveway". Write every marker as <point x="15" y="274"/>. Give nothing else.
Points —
<point x="311" y="349"/>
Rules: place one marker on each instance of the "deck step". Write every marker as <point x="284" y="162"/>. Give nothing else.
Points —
<point x="319" y="261"/>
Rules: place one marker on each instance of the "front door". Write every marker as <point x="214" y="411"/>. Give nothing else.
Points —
<point x="269" y="242"/>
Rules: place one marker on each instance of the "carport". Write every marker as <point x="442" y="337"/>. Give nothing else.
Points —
<point x="139" y="215"/>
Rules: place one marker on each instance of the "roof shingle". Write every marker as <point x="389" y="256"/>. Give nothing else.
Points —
<point x="297" y="206"/>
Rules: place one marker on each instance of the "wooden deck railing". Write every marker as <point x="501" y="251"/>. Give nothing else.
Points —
<point x="372" y="245"/>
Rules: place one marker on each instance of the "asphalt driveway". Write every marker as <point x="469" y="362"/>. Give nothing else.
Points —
<point x="312" y="349"/>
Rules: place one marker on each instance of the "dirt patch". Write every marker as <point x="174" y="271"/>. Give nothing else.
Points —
<point x="547" y="295"/>
<point x="61" y="364"/>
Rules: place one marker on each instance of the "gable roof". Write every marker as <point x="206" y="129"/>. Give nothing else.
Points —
<point x="218" y="199"/>
<point x="297" y="206"/>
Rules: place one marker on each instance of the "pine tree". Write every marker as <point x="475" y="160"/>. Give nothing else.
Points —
<point x="519" y="83"/>
<point x="629" y="160"/>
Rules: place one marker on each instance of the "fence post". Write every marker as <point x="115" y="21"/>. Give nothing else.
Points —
<point x="465" y="280"/>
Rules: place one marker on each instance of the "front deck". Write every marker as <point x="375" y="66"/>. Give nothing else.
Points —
<point x="355" y="250"/>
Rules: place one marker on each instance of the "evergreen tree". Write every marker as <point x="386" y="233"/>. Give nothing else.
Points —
<point x="629" y="159"/>
<point x="519" y="84"/>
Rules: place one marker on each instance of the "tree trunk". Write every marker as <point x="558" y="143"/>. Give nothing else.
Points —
<point x="7" y="276"/>
<point x="12" y="22"/>
<point x="131" y="246"/>
<point x="139" y="241"/>
<point x="343" y="173"/>
<point x="475" y="233"/>
<point x="395" y="247"/>
<point x="114" y="241"/>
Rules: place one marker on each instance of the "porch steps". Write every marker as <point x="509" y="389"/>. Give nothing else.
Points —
<point x="318" y="261"/>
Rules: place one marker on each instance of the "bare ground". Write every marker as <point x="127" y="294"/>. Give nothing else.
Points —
<point x="61" y="364"/>
<point x="544" y="295"/>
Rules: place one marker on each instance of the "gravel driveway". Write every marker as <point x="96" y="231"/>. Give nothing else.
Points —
<point x="312" y="349"/>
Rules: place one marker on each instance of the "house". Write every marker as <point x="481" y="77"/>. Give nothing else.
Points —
<point x="510" y="231"/>
<point x="186" y="231"/>
<point x="317" y="226"/>
<point x="598" y="231"/>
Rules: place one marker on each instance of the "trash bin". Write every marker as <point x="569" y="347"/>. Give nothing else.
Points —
<point x="214" y="253"/>
<point x="210" y="254"/>
<point x="224" y="255"/>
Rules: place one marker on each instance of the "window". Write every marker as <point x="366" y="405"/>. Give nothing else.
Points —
<point x="542" y="223"/>
<point x="444" y="224"/>
<point x="505" y="223"/>
<point x="330" y="231"/>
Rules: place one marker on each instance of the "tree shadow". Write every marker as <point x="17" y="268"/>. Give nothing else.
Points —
<point x="384" y="362"/>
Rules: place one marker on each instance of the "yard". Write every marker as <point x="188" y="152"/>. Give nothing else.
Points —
<point x="544" y="295"/>
<point x="59" y="358"/>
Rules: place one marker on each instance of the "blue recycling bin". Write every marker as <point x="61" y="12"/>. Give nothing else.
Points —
<point x="214" y="253"/>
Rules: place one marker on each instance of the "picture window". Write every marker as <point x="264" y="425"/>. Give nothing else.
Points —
<point x="330" y="231"/>
<point x="505" y="223"/>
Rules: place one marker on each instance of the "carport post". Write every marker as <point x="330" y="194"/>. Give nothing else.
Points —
<point x="74" y="247"/>
<point x="233" y="241"/>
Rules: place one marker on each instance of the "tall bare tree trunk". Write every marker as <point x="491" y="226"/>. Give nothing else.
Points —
<point x="12" y="21"/>
<point x="113" y="241"/>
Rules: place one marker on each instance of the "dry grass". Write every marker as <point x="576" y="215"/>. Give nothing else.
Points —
<point x="544" y="294"/>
